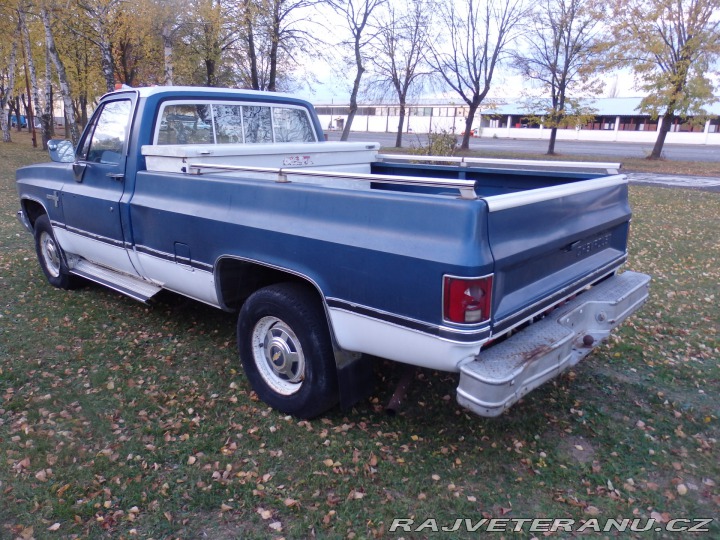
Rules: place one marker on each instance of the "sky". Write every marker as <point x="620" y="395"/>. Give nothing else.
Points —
<point x="333" y="81"/>
<point x="331" y="88"/>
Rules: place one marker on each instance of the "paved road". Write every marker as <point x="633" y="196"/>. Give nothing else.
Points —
<point x="694" y="182"/>
<point x="613" y="151"/>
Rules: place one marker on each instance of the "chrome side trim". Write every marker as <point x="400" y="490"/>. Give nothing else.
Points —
<point x="611" y="168"/>
<point x="505" y="201"/>
<point x="139" y="248"/>
<point x="88" y="234"/>
<point x="466" y="187"/>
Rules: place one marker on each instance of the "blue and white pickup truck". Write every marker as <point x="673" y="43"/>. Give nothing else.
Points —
<point x="331" y="252"/>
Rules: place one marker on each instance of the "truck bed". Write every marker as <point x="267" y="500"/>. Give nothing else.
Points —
<point x="544" y="234"/>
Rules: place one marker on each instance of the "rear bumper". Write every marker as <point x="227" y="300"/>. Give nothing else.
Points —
<point x="499" y="377"/>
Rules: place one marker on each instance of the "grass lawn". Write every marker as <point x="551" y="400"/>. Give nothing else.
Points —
<point x="119" y="420"/>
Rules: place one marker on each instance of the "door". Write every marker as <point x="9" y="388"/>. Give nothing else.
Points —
<point x="91" y="203"/>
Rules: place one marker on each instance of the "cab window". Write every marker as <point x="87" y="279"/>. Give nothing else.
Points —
<point x="106" y="139"/>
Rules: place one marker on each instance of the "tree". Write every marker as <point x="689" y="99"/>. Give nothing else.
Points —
<point x="273" y="32"/>
<point x="566" y="45"/>
<point x="7" y="73"/>
<point x="477" y="35"/>
<point x="398" y="54"/>
<point x="100" y="21"/>
<point x="34" y="89"/>
<point x="208" y="39"/>
<point x="62" y="76"/>
<point x="138" y="44"/>
<point x="671" y="46"/>
<point x="357" y="15"/>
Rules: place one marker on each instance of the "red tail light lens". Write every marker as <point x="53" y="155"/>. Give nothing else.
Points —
<point x="467" y="301"/>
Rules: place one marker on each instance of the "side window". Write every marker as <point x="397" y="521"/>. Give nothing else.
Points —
<point x="186" y="124"/>
<point x="292" y="125"/>
<point x="258" y="124"/>
<point x="228" y="123"/>
<point x="107" y="144"/>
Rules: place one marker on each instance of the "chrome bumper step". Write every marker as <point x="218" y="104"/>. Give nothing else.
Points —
<point x="501" y="375"/>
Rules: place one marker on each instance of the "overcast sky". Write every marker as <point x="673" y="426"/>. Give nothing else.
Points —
<point x="334" y="80"/>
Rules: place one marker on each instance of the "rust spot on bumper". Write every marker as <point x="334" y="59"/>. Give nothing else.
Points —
<point x="537" y="352"/>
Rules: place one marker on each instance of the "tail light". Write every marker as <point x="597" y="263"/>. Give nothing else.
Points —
<point x="467" y="300"/>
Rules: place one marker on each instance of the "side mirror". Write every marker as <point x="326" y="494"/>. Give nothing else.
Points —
<point x="61" y="151"/>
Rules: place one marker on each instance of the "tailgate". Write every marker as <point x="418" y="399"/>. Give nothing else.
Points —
<point x="549" y="243"/>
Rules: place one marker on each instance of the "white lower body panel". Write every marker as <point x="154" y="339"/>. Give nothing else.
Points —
<point x="180" y="278"/>
<point x="96" y="251"/>
<point x="358" y="333"/>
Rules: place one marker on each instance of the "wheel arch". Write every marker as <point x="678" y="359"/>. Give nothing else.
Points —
<point x="236" y="278"/>
<point x="33" y="209"/>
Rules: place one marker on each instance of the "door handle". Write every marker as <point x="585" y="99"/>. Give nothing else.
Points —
<point x="116" y="176"/>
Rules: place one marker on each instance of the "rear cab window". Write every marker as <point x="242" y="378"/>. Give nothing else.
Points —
<point x="222" y="122"/>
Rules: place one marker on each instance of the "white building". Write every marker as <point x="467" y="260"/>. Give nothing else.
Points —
<point x="616" y="119"/>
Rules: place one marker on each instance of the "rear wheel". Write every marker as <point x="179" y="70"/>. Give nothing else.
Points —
<point x="51" y="256"/>
<point x="285" y="348"/>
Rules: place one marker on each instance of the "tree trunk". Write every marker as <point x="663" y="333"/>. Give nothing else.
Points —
<point x="62" y="77"/>
<point x="551" y="144"/>
<point x="664" y="129"/>
<point x="6" y="97"/>
<point x="401" y="122"/>
<point x="465" y="145"/>
<point x="252" y="55"/>
<point x="353" y="104"/>
<point x="45" y="135"/>
<point x="274" y="46"/>
<point x="107" y="62"/>
<point x="47" y="116"/>
<point x="14" y="105"/>
<point x="355" y="90"/>
<point x="167" y="55"/>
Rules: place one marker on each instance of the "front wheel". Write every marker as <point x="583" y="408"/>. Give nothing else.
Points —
<point x="51" y="256"/>
<point x="285" y="348"/>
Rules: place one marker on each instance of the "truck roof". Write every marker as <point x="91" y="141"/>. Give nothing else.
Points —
<point x="147" y="91"/>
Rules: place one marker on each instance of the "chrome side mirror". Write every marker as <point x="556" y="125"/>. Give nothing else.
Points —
<point x="61" y="151"/>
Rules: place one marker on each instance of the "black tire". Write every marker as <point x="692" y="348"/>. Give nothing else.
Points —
<point x="286" y="351"/>
<point x="51" y="256"/>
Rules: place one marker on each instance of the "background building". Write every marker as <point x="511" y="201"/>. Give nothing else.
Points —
<point x="616" y="119"/>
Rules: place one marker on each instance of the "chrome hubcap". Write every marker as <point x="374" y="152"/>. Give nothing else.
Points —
<point x="278" y="355"/>
<point x="50" y="254"/>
